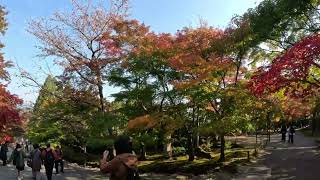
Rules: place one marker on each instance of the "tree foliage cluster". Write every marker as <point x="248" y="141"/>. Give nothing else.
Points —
<point x="176" y="89"/>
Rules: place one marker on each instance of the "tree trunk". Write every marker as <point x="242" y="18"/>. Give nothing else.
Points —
<point x="256" y="138"/>
<point x="269" y="126"/>
<point x="222" y="147"/>
<point x="143" y="154"/>
<point x="168" y="147"/>
<point x="190" y="146"/>
<point x="101" y="99"/>
<point x="100" y="88"/>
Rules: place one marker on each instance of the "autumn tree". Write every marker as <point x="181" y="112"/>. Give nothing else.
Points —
<point x="9" y="112"/>
<point x="87" y="42"/>
<point x="147" y="98"/>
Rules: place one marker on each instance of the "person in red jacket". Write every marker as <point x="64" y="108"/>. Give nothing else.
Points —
<point x="59" y="159"/>
<point x="49" y="156"/>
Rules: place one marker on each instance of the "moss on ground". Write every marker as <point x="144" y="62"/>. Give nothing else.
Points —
<point x="196" y="167"/>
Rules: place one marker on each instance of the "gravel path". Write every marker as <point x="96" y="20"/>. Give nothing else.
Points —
<point x="279" y="160"/>
<point x="282" y="160"/>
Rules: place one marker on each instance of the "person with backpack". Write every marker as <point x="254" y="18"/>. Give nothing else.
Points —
<point x="18" y="156"/>
<point x="124" y="165"/>
<point x="291" y="134"/>
<point x="59" y="159"/>
<point x="48" y="156"/>
<point x="3" y="153"/>
<point x="36" y="162"/>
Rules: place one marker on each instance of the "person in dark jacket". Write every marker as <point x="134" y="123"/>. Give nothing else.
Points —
<point x="124" y="165"/>
<point x="36" y="162"/>
<point x="18" y="157"/>
<point x="283" y="132"/>
<point x="291" y="133"/>
<point x="3" y="153"/>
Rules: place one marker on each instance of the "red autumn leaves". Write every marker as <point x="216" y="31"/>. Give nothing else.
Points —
<point x="295" y="70"/>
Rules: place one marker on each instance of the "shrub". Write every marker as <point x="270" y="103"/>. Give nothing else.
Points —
<point x="178" y="151"/>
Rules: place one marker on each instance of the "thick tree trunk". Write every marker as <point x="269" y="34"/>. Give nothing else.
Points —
<point x="100" y="88"/>
<point x="222" y="147"/>
<point x="190" y="146"/>
<point x="168" y="147"/>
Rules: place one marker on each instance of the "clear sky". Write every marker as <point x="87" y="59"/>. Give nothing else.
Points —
<point x="160" y="15"/>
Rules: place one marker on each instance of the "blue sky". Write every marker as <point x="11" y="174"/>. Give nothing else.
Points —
<point x="160" y="15"/>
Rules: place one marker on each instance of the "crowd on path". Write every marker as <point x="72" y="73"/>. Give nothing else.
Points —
<point x="35" y="158"/>
<point x="121" y="162"/>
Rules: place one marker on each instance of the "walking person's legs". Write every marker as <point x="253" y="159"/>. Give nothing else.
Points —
<point x="19" y="175"/>
<point x="49" y="172"/>
<point x="62" y="166"/>
<point x="290" y="138"/>
<point x="38" y="175"/>
<point x="56" y="163"/>
<point x="34" y="174"/>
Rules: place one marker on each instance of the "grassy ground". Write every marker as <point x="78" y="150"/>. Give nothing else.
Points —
<point x="196" y="167"/>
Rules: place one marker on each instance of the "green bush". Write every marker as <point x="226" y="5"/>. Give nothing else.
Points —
<point x="149" y="141"/>
<point x="77" y="157"/>
<point x="178" y="151"/>
<point x="99" y="145"/>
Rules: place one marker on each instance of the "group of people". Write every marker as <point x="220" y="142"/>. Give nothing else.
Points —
<point x="290" y="131"/>
<point x="121" y="164"/>
<point x="48" y="157"/>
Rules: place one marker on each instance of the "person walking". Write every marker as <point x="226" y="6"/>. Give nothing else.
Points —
<point x="3" y="153"/>
<point x="291" y="134"/>
<point x="48" y="156"/>
<point x="36" y="162"/>
<point x="124" y="165"/>
<point x="18" y="157"/>
<point x="283" y="132"/>
<point x="59" y="159"/>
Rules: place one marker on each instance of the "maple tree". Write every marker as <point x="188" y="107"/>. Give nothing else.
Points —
<point x="147" y="99"/>
<point x="211" y="81"/>
<point x="87" y="42"/>
<point x="296" y="70"/>
<point x="9" y="112"/>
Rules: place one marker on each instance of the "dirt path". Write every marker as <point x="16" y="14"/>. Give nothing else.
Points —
<point x="282" y="160"/>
